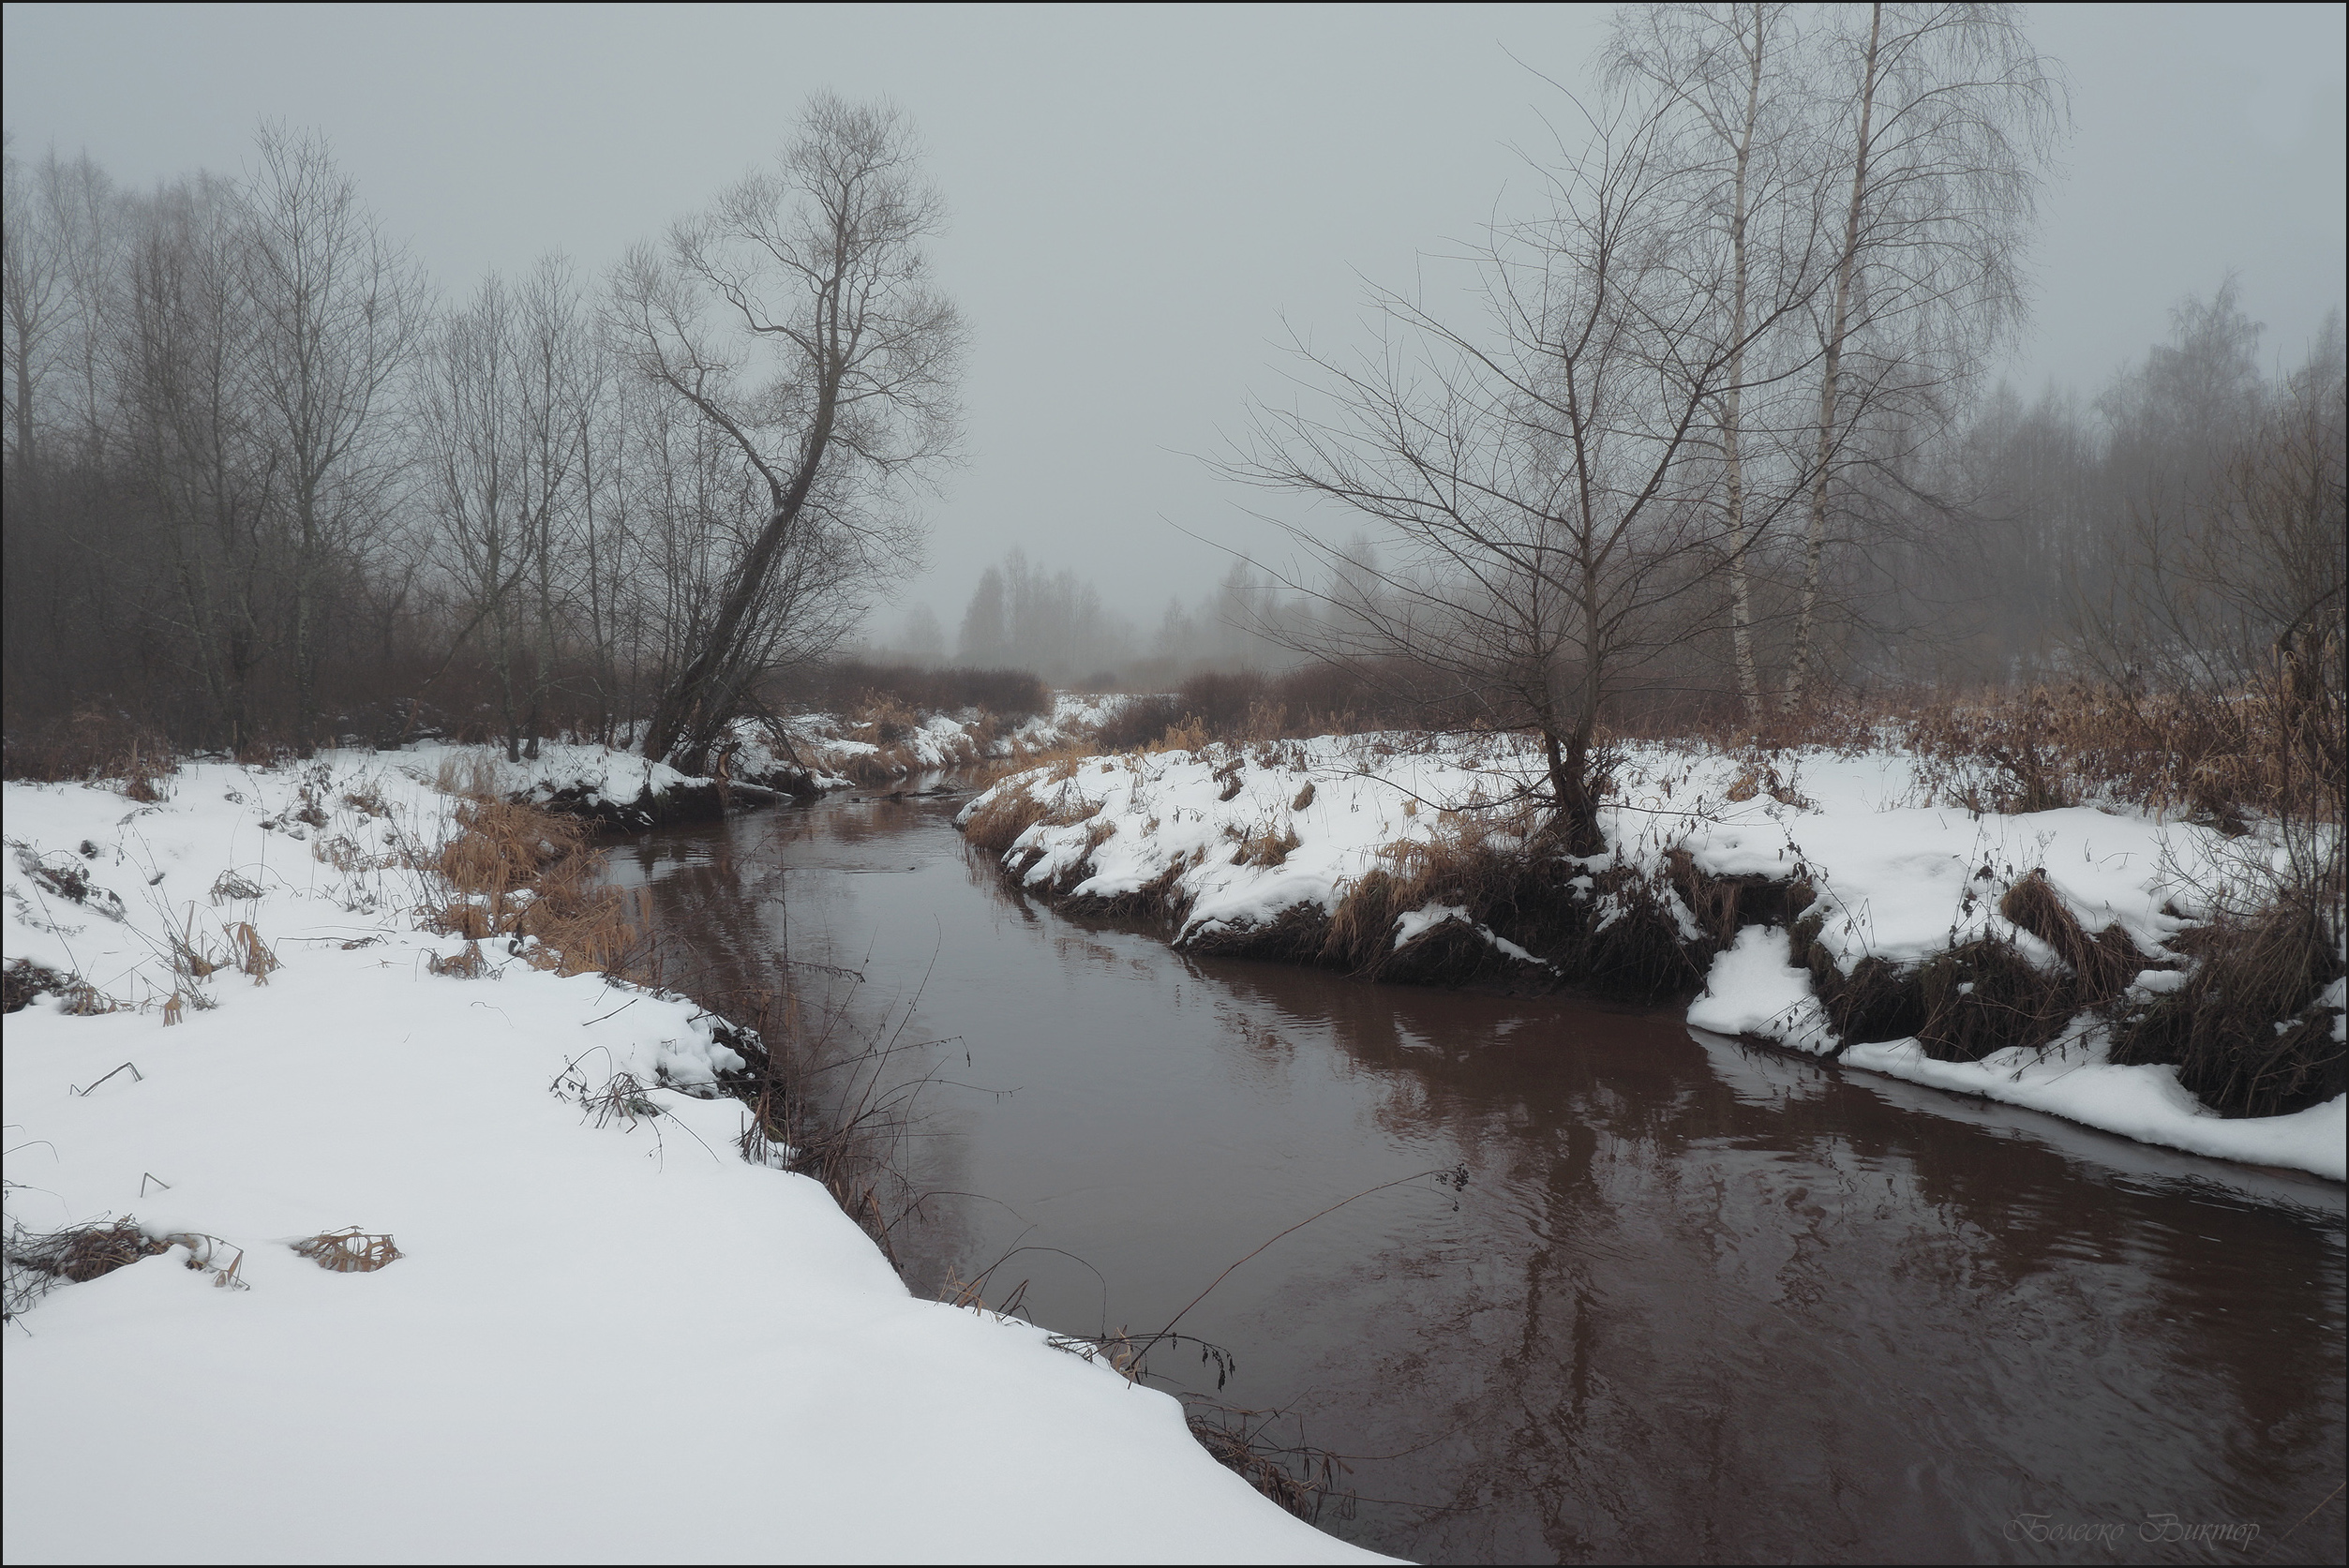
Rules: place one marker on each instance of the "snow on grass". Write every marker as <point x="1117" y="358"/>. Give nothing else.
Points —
<point x="603" y="1343"/>
<point x="841" y="752"/>
<point x="1897" y="877"/>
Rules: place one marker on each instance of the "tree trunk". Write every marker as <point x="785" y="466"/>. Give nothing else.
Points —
<point x="1816" y="538"/>
<point x="1741" y="589"/>
<point x="688" y="712"/>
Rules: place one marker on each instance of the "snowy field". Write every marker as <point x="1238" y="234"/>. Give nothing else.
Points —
<point x="1235" y="837"/>
<point x="604" y="1339"/>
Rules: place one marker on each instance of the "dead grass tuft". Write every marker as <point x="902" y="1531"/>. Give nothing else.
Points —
<point x="1000" y="820"/>
<point x="467" y="966"/>
<point x="2101" y="964"/>
<point x="1302" y="1479"/>
<point x="249" y="953"/>
<point x="349" y="1250"/>
<point x="2247" y="1031"/>
<point x="512" y="870"/>
<point x="76" y="1254"/>
<point x="1267" y="845"/>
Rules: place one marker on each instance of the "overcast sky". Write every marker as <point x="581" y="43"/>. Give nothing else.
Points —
<point x="1141" y="198"/>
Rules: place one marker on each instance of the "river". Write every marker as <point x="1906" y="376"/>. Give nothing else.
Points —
<point x="1694" y="1301"/>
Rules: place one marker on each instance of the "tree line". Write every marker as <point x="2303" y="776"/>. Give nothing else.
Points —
<point x="1711" y="432"/>
<point x="1703" y="432"/>
<point x="265" y="488"/>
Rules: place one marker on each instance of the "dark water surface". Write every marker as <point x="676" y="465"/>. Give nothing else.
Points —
<point x="1695" y="1303"/>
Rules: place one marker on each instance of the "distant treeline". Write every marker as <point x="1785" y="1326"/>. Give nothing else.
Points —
<point x="261" y="489"/>
<point x="2038" y="541"/>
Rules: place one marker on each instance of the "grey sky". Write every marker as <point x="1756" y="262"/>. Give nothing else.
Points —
<point x="1141" y="198"/>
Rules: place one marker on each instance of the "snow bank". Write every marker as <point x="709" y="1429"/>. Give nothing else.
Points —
<point x="1897" y="877"/>
<point x="603" y="1343"/>
<point x="840" y="753"/>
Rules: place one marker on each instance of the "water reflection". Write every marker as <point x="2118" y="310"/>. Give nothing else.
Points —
<point x="1697" y="1302"/>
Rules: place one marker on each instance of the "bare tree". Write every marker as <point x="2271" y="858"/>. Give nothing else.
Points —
<point x="339" y="310"/>
<point x="190" y="402"/>
<point x="1731" y="82"/>
<point x="796" y="317"/>
<point x="32" y="301"/>
<point x="1541" y="529"/>
<point x="1944" y="119"/>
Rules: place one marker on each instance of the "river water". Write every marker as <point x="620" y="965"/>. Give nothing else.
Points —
<point x="1695" y="1302"/>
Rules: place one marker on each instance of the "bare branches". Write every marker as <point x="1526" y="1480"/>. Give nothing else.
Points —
<point x="1534" y="520"/>
<point x="796" y="319"/>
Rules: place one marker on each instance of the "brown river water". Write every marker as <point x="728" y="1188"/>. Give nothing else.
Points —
<point x="1695" y="1302"/>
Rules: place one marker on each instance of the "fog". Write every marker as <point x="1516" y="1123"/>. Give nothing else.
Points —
<point x="1145" y="203"/>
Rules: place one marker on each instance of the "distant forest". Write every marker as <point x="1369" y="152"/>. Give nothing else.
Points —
<point x="266" y="485"/>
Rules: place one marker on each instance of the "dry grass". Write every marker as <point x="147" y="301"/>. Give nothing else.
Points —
<point x="250" y="954"/>
<point x="2258" y="751"/>
<point x="349" y="1250"/>
<point x="97" y="745"/>
<point x="517" y="872"/>
<point x="1302" y="1479"/>
<point x="2245" y="1031"/>
<point x="76" y="1254"/>
<point x="1268" y="844"/>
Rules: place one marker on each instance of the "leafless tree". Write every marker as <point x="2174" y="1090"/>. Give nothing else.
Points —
<point x="1938" y="120"/>
<point x="189" y="423"/>
<point x="339" y="310"/>
<point x="1541" y="530"/>
<point x="1733" y="83"/>
<point x="503" y="412"/>
<point x="796" y="319"/>
<point x="32" y="296"/>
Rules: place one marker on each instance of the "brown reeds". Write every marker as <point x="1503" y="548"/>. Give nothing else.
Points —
<point x="250" y="954"/>
<point x="349" y="1250"/>
<point x="515" y="871"/>
<point x="2248" y="1031"/>
<point x="1305" y="1480"/>
<point x="73" y="1254"/>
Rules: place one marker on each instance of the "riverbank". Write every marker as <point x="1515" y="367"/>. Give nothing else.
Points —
<point x="1838" y="904"/>
<point x="596" y="1331"/>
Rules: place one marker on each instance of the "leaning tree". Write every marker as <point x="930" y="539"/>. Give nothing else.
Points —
<point x="796" y="317"/>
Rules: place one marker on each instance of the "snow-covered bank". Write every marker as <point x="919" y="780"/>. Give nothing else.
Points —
<point x="1269" y="844"/>
<point x="607" y="1337"/>
<point x="844" y="751"/>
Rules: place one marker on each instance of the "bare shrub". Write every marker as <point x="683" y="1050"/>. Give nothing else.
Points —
<point x="1139" y="723"/>
<point x="23" y="980"/>
<point x="94" y="743"/>
<point x="844" y="685"/>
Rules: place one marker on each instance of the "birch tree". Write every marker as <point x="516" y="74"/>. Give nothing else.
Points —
<point x="1731" y="79"/>
<point x="1940" y="122"/>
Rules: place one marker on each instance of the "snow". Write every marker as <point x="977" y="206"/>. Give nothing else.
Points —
<point x="1899" y="874"/>
<point x="615" y="1342"/>
<point x="939" y="742"/>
